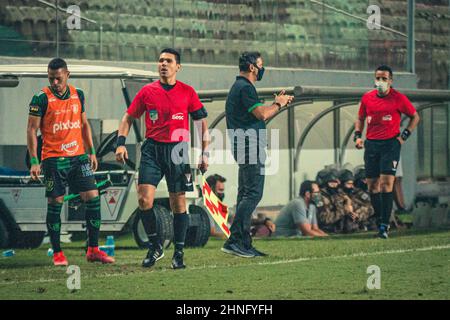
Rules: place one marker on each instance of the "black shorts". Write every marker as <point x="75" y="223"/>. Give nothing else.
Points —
<point x="171" y="160"/>
<point x="75" y="172"/>
<point x="381" y="157"/>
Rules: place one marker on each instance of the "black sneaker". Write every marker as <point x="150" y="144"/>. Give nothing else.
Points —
<point x="153" y="255"/>
<point x="237" y="250"/>
<point x="177" y="260"/>
<point x="383" y="232"/>
<point x="256" y="252"/>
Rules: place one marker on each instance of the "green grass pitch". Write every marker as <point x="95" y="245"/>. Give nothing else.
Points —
<point x="413" y="265"/>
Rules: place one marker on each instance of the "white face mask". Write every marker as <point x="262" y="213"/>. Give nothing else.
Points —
<point x="381" y="86"/>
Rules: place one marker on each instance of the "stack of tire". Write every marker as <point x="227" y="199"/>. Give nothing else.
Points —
<point x="12" y="237"/>
<point x="197" y="235"/>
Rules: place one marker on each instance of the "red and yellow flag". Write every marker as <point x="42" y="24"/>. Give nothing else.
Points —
<point x="216" y="208"/>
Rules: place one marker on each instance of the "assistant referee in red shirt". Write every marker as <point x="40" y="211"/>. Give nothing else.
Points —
<point x="167" y="104"/>
<point x="383" y="108"/>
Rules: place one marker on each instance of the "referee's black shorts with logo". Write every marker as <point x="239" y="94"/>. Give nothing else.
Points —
<point x="381" y="157"/>
<point x="169" y="160"/>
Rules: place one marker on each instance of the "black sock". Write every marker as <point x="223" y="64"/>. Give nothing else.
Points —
<point x="377" y="204"/>
<point x="387" y="199"/>
<point x="180" y="226"/>
<point x="93" y="220"/>
<point x="148" y="218"/>
<point x="54" y="225"/>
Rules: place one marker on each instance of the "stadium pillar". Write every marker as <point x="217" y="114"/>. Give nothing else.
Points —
<point x="411" y="63"/>
<point x="336" y="135"/>
<point x="101" y="41"/>
<point x="291" y="143"/>
<point x="277" y="22"/>
<point x="448" y="110"/>
<point x="57" y="28"/>
<point x="173" y="24"/>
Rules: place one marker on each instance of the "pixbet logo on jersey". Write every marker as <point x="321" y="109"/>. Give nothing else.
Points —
<point x="60" y="126"/>
<point x="70" y="147"/>
<point x="178" y="116"/>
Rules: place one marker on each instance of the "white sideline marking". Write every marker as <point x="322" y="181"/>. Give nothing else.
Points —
<point x="354" y="255"/>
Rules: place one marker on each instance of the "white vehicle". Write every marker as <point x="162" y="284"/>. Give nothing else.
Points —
<point x="23" y="207"/>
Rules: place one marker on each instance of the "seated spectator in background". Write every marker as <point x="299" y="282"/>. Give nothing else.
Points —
<point x="262" y="226"/>
<point x="298" y="217"/>
<point x="327" y="215"/>
<point x="361" y="197"/>
<point x="335" y="210"/>
<point x="360" y="212"/>
<point x="320" y="178"/>
<point x="217" y="184"/>
<point x="361" y="180"/>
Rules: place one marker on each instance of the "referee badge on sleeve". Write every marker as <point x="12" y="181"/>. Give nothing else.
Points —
<point x="153" y="115"/>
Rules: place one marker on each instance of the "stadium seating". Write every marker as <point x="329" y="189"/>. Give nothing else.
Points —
<point x="106" y="19"/>
<point x="209" y="31"/>
<point x="13" y="14"/>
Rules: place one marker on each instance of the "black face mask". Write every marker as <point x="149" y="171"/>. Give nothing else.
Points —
<point x="221" y="196"/>
<point x="348" y="190"/>
<point x="361" y="185"/>
<point x="332" y="191"/>
<point x="260" y="73"/>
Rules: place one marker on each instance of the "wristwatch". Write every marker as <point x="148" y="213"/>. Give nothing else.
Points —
<point x="279" y="105"/>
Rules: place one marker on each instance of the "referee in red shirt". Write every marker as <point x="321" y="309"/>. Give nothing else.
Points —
<point x="167" y="104"/>
<point x="383" y="108"/>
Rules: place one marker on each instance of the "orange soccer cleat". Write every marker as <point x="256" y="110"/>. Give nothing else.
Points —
<point x="59" y="259"/>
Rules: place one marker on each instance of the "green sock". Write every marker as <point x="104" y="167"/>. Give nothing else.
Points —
<point x="93" y="220"/>
<point x="54" y="225"/>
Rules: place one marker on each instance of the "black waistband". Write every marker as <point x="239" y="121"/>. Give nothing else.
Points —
<point x="153" y="141"/>
<point x="390" y="139"/>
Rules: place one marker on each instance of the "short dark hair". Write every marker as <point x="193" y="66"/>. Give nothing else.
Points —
<point x="384" y="67"/>
<point x="306" y="186"/>
<point x="57" y="63"/>
<point x="248" y="58"/>
<point x="213" y="179"/>
<point x="174" y="52"/>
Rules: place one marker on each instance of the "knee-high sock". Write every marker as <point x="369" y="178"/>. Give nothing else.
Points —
<point x="148" y="218"/>
<point x="387" y="199"/>
<point x="377" y="204"/>
<point x="93" y="220"/>
<point x="180" y="226"/>
<point x="54" y="224"/>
